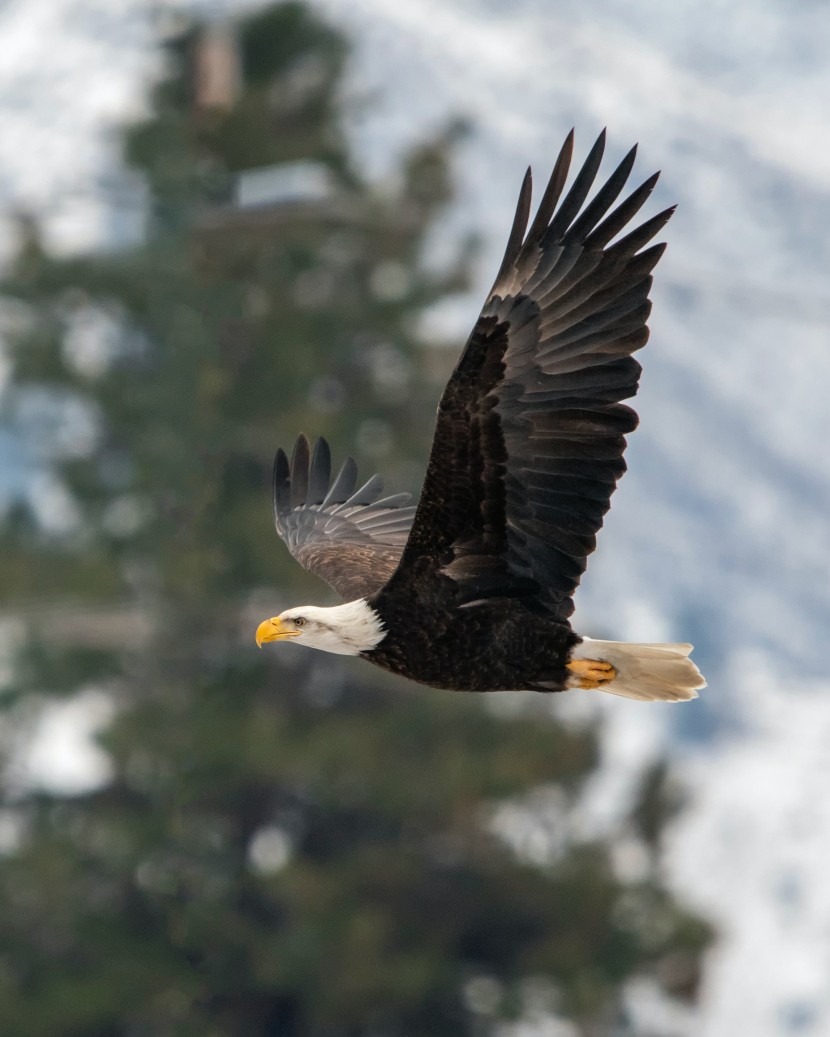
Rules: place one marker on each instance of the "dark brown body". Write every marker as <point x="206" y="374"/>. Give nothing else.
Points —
<point x="492" y="645"/>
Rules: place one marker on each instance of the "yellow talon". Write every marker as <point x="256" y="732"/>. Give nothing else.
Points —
<point x="590" y="673"/>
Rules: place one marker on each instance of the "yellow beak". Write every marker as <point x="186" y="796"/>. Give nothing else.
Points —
<point x="274" y="630"/>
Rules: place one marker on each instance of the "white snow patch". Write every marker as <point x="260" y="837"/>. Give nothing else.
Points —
<point x="752" y="851"/>
<point x="61" y="756"/>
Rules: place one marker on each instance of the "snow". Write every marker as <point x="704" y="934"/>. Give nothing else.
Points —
<point x="61" y="755"/>
<point x="751" y="853"/>
<point x="68" y="77"/>
<point x="719" y="532"/>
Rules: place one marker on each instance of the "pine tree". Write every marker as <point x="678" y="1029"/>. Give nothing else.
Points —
<point x="287" y="844"/>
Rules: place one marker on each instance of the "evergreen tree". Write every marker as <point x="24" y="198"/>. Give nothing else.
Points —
<point x="288" y="844"/>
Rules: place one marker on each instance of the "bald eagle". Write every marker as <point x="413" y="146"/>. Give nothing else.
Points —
<point x="472" y="589"/>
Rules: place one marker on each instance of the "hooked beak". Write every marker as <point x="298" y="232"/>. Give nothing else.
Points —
<point x="274" y="630"/>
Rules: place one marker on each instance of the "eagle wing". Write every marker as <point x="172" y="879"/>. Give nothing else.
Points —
<point x="530" y="432"/>
<point x="350" y="537"/>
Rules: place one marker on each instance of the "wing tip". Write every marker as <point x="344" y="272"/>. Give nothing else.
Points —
<point x="281" y="487"/>
<point x="300" y="443"/>
<point x="319" y="475"/>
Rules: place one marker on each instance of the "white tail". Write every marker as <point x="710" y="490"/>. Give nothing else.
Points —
<point x="647" y="672"/>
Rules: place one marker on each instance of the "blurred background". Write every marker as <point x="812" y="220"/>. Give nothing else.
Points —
<point x="221" y="223"/>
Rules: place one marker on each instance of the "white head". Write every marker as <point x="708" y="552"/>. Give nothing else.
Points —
<point x="343" y="629"/>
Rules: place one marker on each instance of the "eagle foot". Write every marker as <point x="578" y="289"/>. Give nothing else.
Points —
<point x="590" y="673"/>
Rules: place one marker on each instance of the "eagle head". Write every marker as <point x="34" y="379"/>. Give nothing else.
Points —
<point x="343" y="629"/>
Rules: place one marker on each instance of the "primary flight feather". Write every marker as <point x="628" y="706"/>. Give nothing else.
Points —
<point x="472" y="590"/>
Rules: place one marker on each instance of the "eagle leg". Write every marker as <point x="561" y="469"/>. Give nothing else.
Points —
<point x="590" y="673"/>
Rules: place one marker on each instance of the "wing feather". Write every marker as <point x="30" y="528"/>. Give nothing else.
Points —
<point x="514" y="239"/>
<point x="299" y="473"/>
<point x="343" y="486"/>
<point x="531" y="429"/>
<point x="320" y="474"/>
<point x="351" y="538"/>
<point x="575" y="198"/>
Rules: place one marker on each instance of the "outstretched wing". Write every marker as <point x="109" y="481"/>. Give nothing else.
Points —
<point x="351" y="538"/>
<point x="530" y="433"/>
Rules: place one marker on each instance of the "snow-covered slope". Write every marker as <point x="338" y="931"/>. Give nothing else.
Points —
<point x="751" y="851"/>
<point x="720" y="532"/>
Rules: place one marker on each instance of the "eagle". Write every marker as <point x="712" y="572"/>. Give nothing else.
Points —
<point x="472" y="589"/>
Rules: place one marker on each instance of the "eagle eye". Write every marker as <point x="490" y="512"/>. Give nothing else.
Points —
<point x="299" y="621"/>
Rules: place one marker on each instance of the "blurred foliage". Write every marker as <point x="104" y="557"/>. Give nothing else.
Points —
<point x="288" y="843"/>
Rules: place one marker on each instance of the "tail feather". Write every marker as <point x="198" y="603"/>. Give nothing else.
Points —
<point x="646" y="672"/>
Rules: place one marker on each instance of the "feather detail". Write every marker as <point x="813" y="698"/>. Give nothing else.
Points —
<point x="350" y="536"/>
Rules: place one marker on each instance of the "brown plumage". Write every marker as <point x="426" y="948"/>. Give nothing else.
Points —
<point x="349" y="537"/>
<point x="473" y="589"/>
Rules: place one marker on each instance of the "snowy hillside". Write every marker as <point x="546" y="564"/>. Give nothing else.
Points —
<point x="720" y="531"/>
<point x="752" y="852"/>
